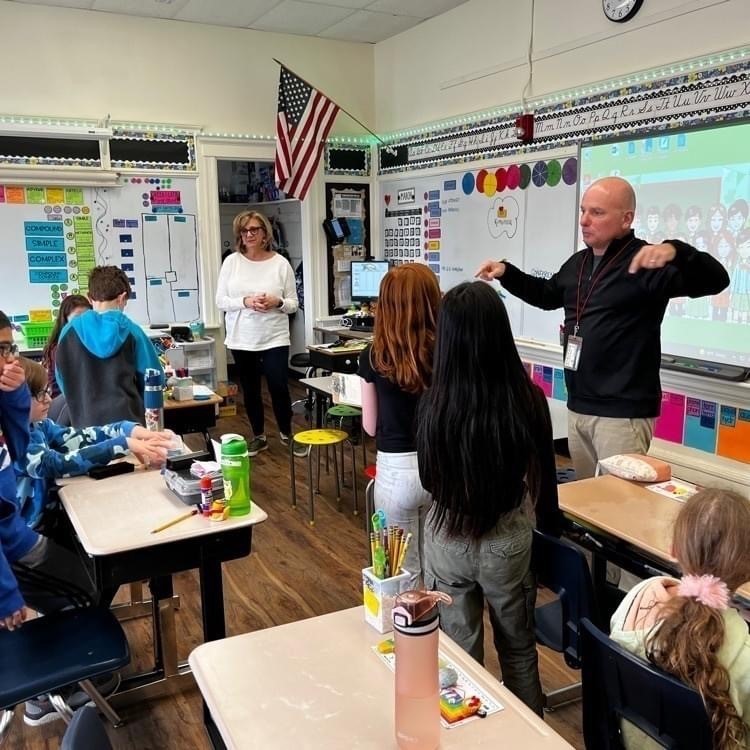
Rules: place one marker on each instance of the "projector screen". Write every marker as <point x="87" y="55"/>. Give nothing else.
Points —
<point x="695" y="186"/>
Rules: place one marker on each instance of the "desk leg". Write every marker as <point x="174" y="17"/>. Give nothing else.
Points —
<point x="212" y="599"/>
<point x="165" y="634"/>
<point x="212" y="730"/>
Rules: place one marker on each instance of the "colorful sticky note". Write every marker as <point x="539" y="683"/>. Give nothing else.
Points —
<point x="542" y="376"/>
<point x="74" y="196"/>
<point x="559" y="389"/>
<point x="671" y="422"/>
<point x="55" y="195"/>
<point x="734" y="433"/>
<point x="700" y="424"/>
<point x="15" y="194"/>
<point x="36" y="195"/>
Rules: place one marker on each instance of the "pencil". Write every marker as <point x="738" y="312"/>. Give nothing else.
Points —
<point x="166" y="525"/>
<point x="405" y="547"/>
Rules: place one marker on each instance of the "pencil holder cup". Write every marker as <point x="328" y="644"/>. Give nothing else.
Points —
<point x="379" y="595"/>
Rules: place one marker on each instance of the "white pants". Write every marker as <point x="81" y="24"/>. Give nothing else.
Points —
<point x="399" y="493"/>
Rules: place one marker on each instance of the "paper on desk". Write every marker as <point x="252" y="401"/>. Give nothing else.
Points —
<point x="202" y="390"/>
<point x="346" y="389"/>
<point x="677" y="489"/>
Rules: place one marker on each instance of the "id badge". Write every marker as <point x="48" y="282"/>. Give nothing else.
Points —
<point x="573" y="353"/>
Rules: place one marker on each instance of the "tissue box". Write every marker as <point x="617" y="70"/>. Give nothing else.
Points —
<point x="379" y="595"/>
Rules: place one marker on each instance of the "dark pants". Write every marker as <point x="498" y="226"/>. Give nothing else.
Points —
<point x="52" y="578"/>
<point x="274" y="363"/>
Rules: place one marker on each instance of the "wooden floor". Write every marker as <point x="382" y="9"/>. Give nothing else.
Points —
<point x="294" y="572"/>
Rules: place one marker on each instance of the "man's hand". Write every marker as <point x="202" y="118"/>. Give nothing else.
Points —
<point x="490" y="269"/>
<point x="651" y="257"/>
<point x="13" y="620"/>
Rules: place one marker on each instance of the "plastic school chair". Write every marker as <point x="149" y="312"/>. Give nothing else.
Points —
<point x="85" y="732"/>
<point x="51" y="652"/>
<point x="320" y="439"/>
<point x="562" y="568"/>
<point x="619" y="685"/>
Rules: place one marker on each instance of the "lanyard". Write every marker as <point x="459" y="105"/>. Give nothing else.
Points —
<point x="602" y="268"/>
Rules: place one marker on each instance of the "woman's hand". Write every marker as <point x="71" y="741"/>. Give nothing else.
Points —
<point x="262" y="302"/>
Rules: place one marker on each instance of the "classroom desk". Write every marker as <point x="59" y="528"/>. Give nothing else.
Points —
<point x="627" y="524"/>
<point x="113" y="519"/>
<point x="317" y="683"/>
<point x="339" y="359"/>
<point x="342" y="333"/>
<point x="184" y="417"/>
<point x="323" y="386"/>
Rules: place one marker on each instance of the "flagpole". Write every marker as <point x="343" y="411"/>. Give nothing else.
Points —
<point x="359" y="122"/>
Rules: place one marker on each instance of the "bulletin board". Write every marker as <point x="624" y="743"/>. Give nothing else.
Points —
<point x="350" y="201"/>
<point x="51" y="238"/>
<point x="524" y="211"/>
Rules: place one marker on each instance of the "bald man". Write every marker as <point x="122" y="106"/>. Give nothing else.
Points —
<point x="614" y="293"/>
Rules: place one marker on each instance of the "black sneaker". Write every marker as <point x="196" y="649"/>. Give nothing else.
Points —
<point x="40" y="711"/>
<point x="257" y="445"/>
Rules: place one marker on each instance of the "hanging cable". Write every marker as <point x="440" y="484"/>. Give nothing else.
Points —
<point x="529" y="55"/>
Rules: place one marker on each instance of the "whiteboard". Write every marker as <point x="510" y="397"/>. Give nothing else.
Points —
<point x="525" y="212"/>
<point x="51" y="237"/>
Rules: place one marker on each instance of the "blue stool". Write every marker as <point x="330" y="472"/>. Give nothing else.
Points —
<point x="48" y="653"/>
<point x="85" y="732"/>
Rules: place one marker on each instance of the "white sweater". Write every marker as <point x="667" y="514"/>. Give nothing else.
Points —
<point x="251" y="330"/>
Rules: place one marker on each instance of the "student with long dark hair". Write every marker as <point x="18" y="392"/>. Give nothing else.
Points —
<point x="484" y="442"/>
<point x="688" y="627"/>
<point x="396" y="370"/>
<point x="72" y="306"/>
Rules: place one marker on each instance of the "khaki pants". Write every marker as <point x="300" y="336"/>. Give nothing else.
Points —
<point x="591" y="438"/>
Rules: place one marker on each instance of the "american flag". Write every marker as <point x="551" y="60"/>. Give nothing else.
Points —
<point x="304" y="120"/>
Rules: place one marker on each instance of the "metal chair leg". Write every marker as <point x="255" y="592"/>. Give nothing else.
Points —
<point x="336" y="474"/>
<point x="101" y="703"/>
<point x="310" y="484"/>
<point x="291" y="471"/>
<point x="354" y="479"/>
<point x="6" y="717"/>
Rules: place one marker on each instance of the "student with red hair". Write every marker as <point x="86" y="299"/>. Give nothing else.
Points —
<point x="396" y="369"/>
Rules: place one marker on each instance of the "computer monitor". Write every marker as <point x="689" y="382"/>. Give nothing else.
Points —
<point x="366" y="278"/>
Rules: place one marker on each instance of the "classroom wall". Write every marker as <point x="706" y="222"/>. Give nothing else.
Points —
<point x="86" y="64"/>
<point x="474" y="57"/>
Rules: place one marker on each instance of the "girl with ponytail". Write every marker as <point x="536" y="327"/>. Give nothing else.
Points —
<point x="688" y="627"/>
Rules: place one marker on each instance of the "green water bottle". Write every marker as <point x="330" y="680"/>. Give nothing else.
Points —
<point x="235" y="470"/>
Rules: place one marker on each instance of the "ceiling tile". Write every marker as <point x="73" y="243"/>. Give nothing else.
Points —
<point x="145" y="8"/>
<point x="294" y="17"/>
<point x="353" y="4"/>
<point x="226" y="13"/>
<point x="365" y="26"/>
<point x="417" y="8"/>
<point x="85" y="4"/>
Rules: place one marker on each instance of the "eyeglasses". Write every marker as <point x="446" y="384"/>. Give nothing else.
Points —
<point x="41" y="396"/>
<point x="252" y="231"/>
<point x="8" y="350"/>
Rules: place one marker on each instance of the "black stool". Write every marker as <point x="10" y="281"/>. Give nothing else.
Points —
<point x="303" y="360"/>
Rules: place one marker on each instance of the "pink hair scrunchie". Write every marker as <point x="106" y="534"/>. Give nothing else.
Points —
<point x="707" y="589"/>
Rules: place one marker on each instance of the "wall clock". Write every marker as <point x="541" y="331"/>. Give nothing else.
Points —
<point x="621" y="10"/>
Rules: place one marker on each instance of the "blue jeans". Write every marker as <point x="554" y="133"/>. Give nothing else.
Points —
<point x="495" y="568"/>
<point x="400" y="494"/>
<point x="275" y="364"/>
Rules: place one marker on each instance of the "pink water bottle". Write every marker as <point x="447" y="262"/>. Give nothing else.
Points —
<point x="415" y="625"/>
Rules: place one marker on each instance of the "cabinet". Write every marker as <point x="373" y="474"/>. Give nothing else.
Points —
<point x="198" y="357"/>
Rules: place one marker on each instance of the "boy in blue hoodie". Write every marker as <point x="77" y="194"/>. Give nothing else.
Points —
<point x="102" y="356"/>
<point x="56" y="451"/>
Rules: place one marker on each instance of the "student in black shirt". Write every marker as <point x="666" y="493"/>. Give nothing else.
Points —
<point x="396" y="369"/>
